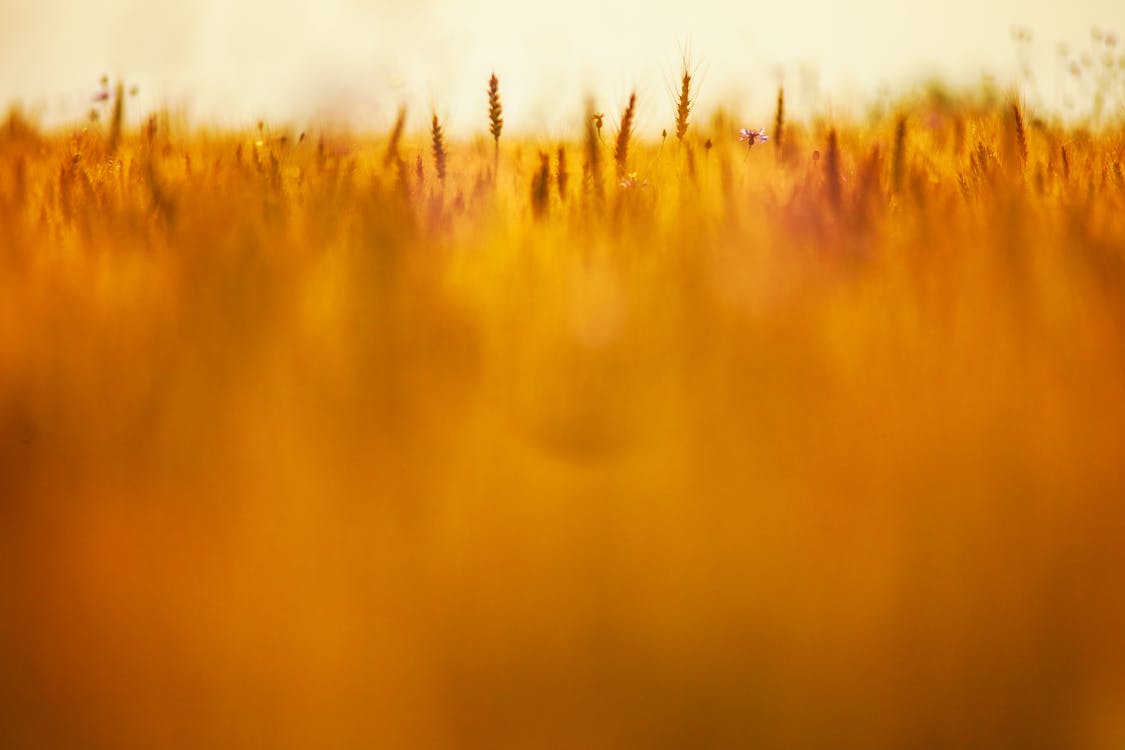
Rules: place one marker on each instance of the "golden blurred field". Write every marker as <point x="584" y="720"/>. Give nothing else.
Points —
<point x="817" y="445"/>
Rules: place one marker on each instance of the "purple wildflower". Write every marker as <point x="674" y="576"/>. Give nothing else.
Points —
<point x="750" y="137"/>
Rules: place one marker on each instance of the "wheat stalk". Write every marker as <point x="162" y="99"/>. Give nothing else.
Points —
<point x="1021" y="135"/>
<point x="438" y="139"/>
<point x="898" y="161"/>
<point x="684" y="102"/>
<point x="563" y="176"/>
<point x="832" y="169"/>
<point x="779" y="121"/>
<point x="396" y="135"/>
<point x="621" y="150"/>
<point x="118" y="117"/>
<point x="541" y="187"/>
<point x="592" y="166"/>
<point x="495" y="118"/>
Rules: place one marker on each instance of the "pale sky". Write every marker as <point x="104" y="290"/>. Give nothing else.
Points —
<point x="232" y="62"/>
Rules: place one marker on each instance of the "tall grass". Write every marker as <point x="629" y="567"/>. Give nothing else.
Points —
<point x="819" y="451"/>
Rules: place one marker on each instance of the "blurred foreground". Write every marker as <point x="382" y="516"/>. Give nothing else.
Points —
<point x="301" y="447"/>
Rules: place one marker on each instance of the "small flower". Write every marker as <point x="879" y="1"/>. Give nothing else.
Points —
<point x="750" y="137"/>
<point x="101" y="96"/>
<point x="631" y="181"/>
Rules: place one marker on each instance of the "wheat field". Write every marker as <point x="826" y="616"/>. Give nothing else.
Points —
<point x="393" y="440"/>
